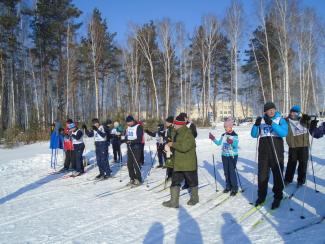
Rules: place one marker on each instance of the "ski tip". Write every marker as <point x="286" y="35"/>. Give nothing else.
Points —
<point x="317" y="191"/>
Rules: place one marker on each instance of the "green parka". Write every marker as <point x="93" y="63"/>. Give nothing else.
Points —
<point x="184" y="154"/>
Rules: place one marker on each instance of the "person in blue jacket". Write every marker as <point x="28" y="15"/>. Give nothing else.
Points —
<point x="229" y="142"/>
<point x="270" y="129"/>
<point x="316" y="132"/>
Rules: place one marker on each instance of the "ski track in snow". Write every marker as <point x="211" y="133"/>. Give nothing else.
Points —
<point x="37" y="207"/>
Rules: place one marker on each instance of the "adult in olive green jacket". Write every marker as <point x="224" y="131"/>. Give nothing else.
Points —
<point x="184" y="163"/>
<point x="298" y="142"/>
<point x="184" y="154"/>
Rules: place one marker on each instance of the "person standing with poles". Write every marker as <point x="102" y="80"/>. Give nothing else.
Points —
<point x="133" y="140"/>
<point x="169" y="136"/>
<point x="69" y="161"/>
<point x="78" y="148"/>
<point x="159" y="136"/>
<point x="99" y="134"/>
<point x="271" y="128"/>
<point x="229" y="141"/>
<point x="185" y="164"/>
<point x="298" y="142"/>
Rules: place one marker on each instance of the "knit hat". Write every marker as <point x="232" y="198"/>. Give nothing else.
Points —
<point x="108" y="122"/>
<point x="180" y="120"/>
<point x="170" y="119"/>
<point x="269" y="105"/>
<point x="71" y="126"/>
<point x="183" y="115"/>
<point x="295" y="108"/>
<point x="129" y="119"/>
<point x="95" y="120"/>
<point x="116" y="124"/>
<point x="229" y="122"/>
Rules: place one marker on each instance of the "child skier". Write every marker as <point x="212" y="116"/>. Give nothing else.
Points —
<point x="116" y="133"/>
<point x="101" y="145"/>
<point x="229" y="142"/>
<point x="69" y="161"/>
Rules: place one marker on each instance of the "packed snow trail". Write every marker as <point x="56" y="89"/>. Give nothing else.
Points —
<point x="37" y="207"/>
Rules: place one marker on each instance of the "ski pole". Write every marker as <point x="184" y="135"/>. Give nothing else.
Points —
<point x="236" y="171"/>
<point x="56" y="158"/>
<point x="135" y="160"/>
<point x="254" y="173"/>
<point x="312" y="162"/>
<point x="303" y="202"/>
<point x="215" y="174"/>
<point x="241" y="187"/>
<point x="278" y="162"/>
<point x="52" y="158"/>
<point x="120" y="164"/>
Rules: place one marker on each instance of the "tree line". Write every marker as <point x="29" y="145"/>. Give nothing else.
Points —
<point x="49" y="72"/>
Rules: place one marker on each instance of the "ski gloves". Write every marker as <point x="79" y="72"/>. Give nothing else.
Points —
<point x="267" y="120"/>
<point x="211" y="137"/>
<point x="313" y="124"/>
<point x="258" y="121"/>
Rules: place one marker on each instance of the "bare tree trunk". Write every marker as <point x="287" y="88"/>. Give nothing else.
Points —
<point x="68" y="71"/>
<point x="93" y="51"/>
<point x="35" y="87"/>
<point x="259" y="72"/>
<point x="1" y="89"/>
<point x="267" y="50"/>
<point x="13" y="108"/>
<point x="143" y="40"/>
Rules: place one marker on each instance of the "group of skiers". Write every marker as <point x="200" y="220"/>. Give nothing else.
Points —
<point x="73" y="145"/>
<point x="270" y="129"/>
<point x="176" y="150"/>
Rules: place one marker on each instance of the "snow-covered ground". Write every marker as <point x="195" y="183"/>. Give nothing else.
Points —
<point x="36" y="207"/>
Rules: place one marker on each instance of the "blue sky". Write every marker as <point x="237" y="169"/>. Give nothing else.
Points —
<point x="119" y="13"/>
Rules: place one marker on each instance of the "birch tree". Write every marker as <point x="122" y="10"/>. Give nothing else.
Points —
<point x="145" y="37"/>
<point x="165" y="36"/>
<point x="234" y="27"/>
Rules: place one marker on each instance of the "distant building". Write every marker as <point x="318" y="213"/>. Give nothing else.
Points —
<point x="223" y="110"/>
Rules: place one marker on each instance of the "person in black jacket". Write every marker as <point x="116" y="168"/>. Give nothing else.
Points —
<point x="78" y="148"/>
<point x="100" y="135"/>
<point x="159" y="135"/>
<point x="133" y="139"/>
